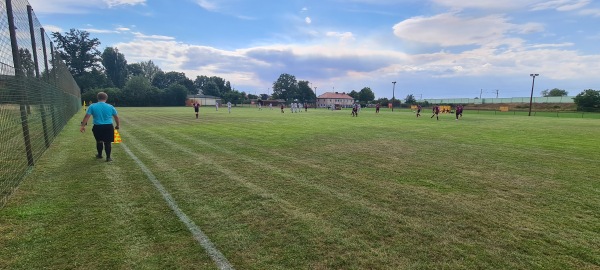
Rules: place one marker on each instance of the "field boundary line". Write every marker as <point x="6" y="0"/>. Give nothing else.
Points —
<point x="201" y="238"/>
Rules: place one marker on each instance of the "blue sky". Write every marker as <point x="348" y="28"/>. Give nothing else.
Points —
<point x="431" y="48"/>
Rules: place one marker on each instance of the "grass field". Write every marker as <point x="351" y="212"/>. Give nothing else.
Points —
<point x="313" y="190"/>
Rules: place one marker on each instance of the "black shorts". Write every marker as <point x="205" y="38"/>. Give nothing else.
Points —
<point x="196" y="109"/>
<point x="104" y="133"/>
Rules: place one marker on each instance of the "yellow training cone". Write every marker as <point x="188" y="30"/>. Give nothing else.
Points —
<point x="117" y="137"/>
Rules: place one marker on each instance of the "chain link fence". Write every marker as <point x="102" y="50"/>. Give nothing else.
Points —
<point x="38" y="95"/>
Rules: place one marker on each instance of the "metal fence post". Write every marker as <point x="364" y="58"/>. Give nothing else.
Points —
<point x="52" y="113"/>
<point x="19" y="79"/>
<point x="37" y="75"/>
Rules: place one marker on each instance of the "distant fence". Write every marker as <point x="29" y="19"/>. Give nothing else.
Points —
<point x="38" y="95"/>
<point x="564" y="99"/>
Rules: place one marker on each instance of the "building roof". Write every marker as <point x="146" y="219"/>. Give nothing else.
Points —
<point x="335" y="95"/>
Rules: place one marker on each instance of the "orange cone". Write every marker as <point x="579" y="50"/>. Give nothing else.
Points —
<point x="117" y="137"/>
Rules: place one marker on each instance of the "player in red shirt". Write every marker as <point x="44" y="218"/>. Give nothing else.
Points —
<point x="436" y="112"/>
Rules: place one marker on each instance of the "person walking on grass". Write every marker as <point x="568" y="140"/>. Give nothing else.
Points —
<point x="459" y="109"/>
<point x="377" y="107"/>
<point x="419" y="110"/>
<point x="196" y="108"/>
<point x="103" y="130"/>
<point x="436" y="112"/>
<point x="229" y="106"/>
<point x="217" y="106"/>
<point x="282" y="107"/>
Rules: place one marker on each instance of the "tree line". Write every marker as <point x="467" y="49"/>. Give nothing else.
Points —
<point x="146" y="84"/>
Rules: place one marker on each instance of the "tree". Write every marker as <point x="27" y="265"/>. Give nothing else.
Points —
<point x="305" y="93"/>
<point x="366" y="95"/>
<point x="138" y="92"/>
<point x="410" y="99"/>
<point x="554" y="93"/>
<point x="27" y="65"/>
<point x="135" y="69"/>
<point x="94" y="79"/>
<point x="354" y="94"/>
<point x="78" y="50"/>
<point x="174" y="77"/>
<point x="115" y="66"/>
<point x="175" y="95"/>
<point x="285" y="87"/>
<point x="233" y="96"/>
<point x="149" y="70"/>
<point x="211" y="89"/>
<point x="588" y="100"/>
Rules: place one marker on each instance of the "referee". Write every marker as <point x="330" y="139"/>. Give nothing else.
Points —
<point x="103" y="129"/>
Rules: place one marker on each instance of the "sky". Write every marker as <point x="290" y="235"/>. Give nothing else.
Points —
<point x="430" y="48"/>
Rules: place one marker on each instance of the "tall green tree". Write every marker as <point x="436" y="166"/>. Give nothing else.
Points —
<point x="354" y="94"/>
<point x="150" y="70"/>
<point x="135" y="69"/>
<point x="174" y="95"/>
<point x="588" y="100"/>
<point x="94" y="79"/>
<point x="115" y="66"/>
<point x="138" y="92"/>
<point x="410" y="99"/>
<point x="78" y="50"/>
<point x="27" y="65"/>
<point x="286" y="87"/>
<point x="212" y="89"/>
<point x="366" y="95"/>
<point x="305" y="93"/>
<point x="555" y="93"/>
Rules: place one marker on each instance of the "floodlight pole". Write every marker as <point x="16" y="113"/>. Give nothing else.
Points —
<point x="393" y="94"/>
<point x="316" y="98"/>
<point x="531" y="97"/>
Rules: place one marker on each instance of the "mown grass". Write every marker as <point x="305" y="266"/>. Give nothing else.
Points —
<point x="315" y="190"/>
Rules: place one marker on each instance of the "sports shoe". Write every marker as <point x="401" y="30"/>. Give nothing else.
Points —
<point x="98" y="156"/>
<point x="108" y="159"/>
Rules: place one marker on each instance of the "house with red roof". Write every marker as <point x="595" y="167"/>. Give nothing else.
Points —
<point x="328" y="99"/>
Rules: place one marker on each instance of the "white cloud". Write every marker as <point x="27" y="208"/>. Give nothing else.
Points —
<point x="529" y="28"/>
<point x="558" y="45"/>
<point x="562" y="5"/>
<point x="485" y="4"/>
<point x="208" y="5"/>
<point x="114" y="3"/>
<point x="449" y="29"/>
<point x="78" y="6"/>
<point x="52" y="28"/>
<point x="304" y="9"/>
<point x="157" y="37"/>
<point x="307" y="20"/>
<point x="123" y="29"/>
<point x="342" y="37"/>
<point x="100" y="31"/>
<point x="590" y="12"/>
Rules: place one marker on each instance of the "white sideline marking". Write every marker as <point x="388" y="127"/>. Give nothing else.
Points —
<point x="200" y="237"/>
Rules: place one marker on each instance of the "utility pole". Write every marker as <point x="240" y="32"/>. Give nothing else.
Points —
<point x="531" y="97"/>
<point x="497" y="93"/>
<point x="393" y="94"/>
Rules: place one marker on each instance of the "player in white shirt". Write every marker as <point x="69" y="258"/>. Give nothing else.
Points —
<point x="229" y="106"/>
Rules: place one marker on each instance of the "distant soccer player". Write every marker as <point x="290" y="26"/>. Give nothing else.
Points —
<point x="419" y="110"/>
<point x="282" y="107"/>
<point x="355" y="110"/>
<point x="260" y="102"/>
<point x="217" y="106"/>
<point x="306" y="107"/>
<point x="270" y="106"/>
<point x="229" y="106"/>
<point x="377" y="108"/>
<point x="436" y="112"/>
<point x="459" y="109"/>
<point x="196" y="108"/>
